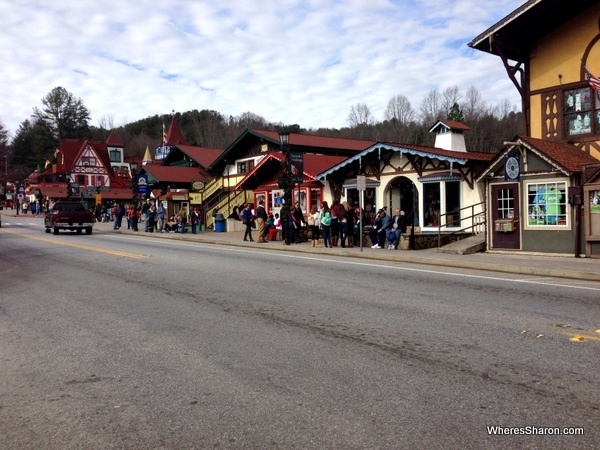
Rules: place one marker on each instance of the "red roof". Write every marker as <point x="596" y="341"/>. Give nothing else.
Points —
<point x="55" y="191"/>
<point x="313" y="165"/>
<point x="202" y="155"/>
<point x="173" y="173"/>
<point x="309" y="140"/>
<point x="454" y="125"/>
<point x="117" y="194"/>
<point x="113" y="141"/>
<point x="174" y="136"/>
<point x="567" y="156"/>
<point x="71" y="149"/>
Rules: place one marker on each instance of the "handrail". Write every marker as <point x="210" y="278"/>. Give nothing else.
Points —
<point x="238" y="198"/>
<point x="477" y="221"/>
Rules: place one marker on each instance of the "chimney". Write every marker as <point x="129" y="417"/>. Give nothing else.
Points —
<point x="450" y="135"/>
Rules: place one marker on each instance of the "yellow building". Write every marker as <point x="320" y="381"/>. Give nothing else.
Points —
<point x="543" y="187"/>
<point x="545" y="46"/>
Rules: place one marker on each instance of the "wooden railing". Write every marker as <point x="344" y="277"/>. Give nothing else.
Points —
<point x="476" y="218"/>
<point x="213" y="187"/>
<point x="224" y="205"/>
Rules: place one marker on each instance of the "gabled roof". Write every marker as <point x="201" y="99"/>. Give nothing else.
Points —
<point x="516" y="33"/>
<point x="318" y="142"/>
<point x="416" y="150"/>
<point x="202" y="155"/>
<point x="113" y="141"/>
<point x="175" y="173"/>
<point x="72" y="148"/>
<point x="567" y="158"/>
<point x="174" y="135"/>
<point x="312" y="166"/>
<point x="306" y="143"/>
<point x="449" y="125"/>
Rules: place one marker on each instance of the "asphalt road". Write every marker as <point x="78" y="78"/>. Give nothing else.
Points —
<point x="116" y="341"/>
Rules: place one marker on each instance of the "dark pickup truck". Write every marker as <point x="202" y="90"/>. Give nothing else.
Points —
<point x="69" y="216"/>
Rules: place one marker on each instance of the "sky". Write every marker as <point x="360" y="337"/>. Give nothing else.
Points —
<point x="289" y="61"/>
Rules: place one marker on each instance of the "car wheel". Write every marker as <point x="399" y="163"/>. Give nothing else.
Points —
<point x="88" y="230"/>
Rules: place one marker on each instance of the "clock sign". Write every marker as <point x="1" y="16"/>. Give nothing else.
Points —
<point x="512" y="168"/>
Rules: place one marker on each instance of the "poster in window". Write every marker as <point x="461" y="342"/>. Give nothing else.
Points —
<point x="594" y="202"/>
<point x="579" y="123"/>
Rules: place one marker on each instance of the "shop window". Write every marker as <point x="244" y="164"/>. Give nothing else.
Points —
<point x="453" y="204"/>
<point x="547" y="204"/>
<point x="582" y="111"/>
<point x="302" y="195"/>
<point x="315" y="199"/>
<point x="432" y="204"/>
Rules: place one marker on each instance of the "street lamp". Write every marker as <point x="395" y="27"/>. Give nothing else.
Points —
<point x="285" y="184"/>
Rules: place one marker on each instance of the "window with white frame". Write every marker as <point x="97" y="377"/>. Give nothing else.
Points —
<point x="547" y="204"/>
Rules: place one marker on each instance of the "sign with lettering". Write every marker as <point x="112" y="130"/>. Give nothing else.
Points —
<point x="142" y="184"/>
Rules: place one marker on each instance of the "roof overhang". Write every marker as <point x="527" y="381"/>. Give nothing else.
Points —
<point x="394" y="148"/>
<point x="516" y="33"/>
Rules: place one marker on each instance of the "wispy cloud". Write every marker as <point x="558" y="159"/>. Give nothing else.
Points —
<point x="304" y="62"/>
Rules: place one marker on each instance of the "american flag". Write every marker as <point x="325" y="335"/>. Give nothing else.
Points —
<point x="594" y="82"/>
<point x="164" y="135"/>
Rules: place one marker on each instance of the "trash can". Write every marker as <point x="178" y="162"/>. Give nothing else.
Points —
<point x="220" y="223"/>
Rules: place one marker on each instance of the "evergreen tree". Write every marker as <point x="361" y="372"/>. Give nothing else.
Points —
<point x="64" y="115"/>
<point x="456" y="114"/>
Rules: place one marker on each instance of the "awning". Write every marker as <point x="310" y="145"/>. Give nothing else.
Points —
<point x="54" y="191"/>
<point x="439" y="176"/>
<point x="351" y="184"/>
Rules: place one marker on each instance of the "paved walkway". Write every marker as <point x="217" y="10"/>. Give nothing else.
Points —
<point x="517" y="263"/>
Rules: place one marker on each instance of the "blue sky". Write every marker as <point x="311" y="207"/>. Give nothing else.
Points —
<point x="305" y="62"/>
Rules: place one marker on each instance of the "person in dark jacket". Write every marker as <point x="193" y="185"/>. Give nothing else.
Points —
<point x="261" y="221"/>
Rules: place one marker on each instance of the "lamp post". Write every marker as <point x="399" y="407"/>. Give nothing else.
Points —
<point x="285" y="184"/>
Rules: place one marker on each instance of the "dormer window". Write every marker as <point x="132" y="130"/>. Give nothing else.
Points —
<point x="115" y="155"/>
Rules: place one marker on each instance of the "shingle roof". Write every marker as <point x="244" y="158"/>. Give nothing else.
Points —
<point x="309" y="140"/>
<point x="113" y="141"/>
<point x="566" y="156"/>
<point x="202" y="155"/>
<point x="174" y="173"/>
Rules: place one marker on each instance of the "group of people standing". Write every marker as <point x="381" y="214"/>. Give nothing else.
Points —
<point x="153" y="217"/>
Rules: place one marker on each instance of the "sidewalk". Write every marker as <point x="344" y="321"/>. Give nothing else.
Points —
<point x="517" y="263"/>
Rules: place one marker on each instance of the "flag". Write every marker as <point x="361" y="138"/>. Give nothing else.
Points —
<point x="164" y="135"/>
<point x="47" y="164"/>
<point x="594" y="82"/>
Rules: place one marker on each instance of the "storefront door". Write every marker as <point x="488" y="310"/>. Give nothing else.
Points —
<point x="504" y="207"/>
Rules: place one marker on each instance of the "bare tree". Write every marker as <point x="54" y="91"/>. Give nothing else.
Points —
<point x="399" y="110"/>
<point x="451" y="97"/>
<point x="432" y="108"/>
<point x="360" y="114"/>
<point x="473" y="106"/>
